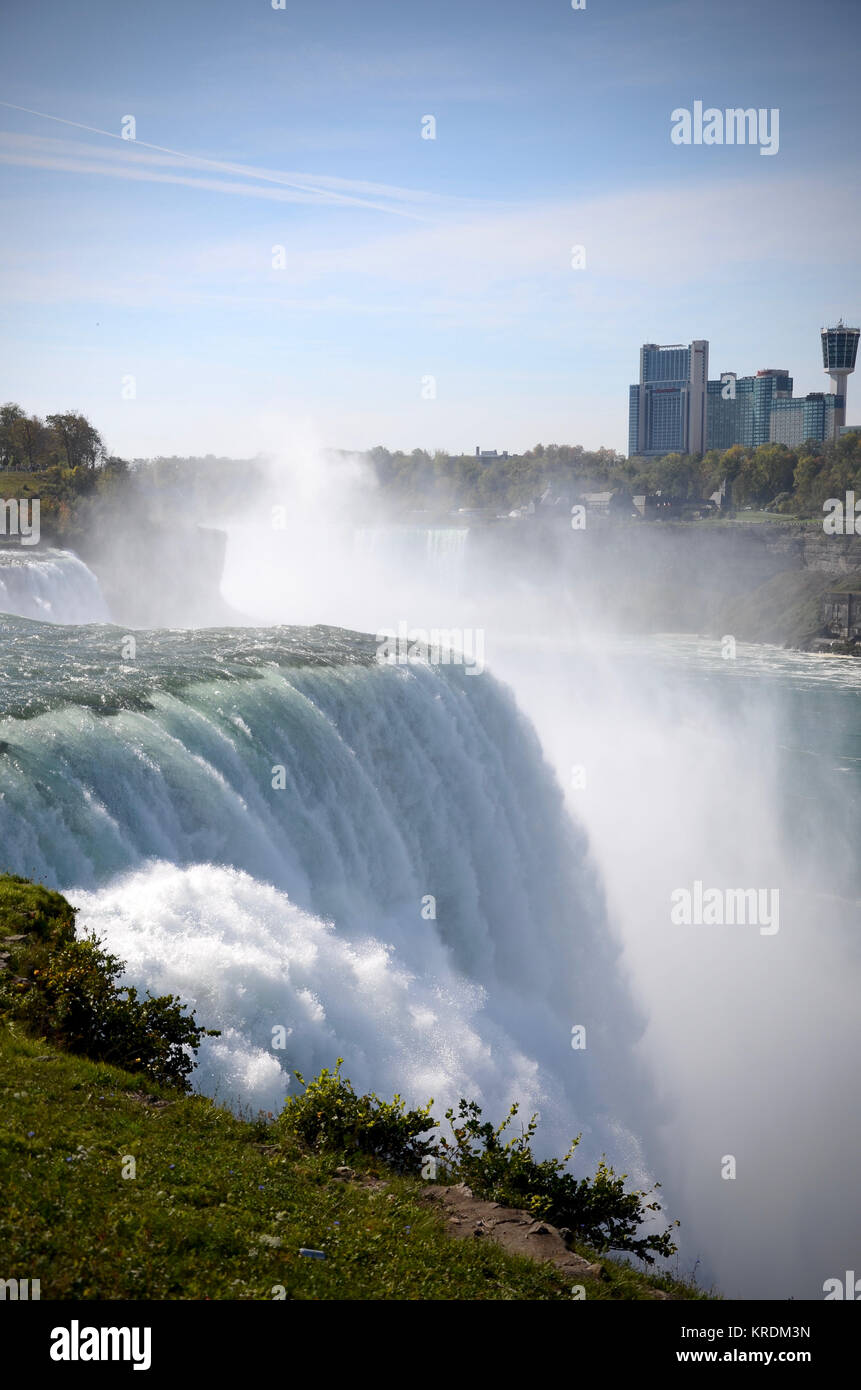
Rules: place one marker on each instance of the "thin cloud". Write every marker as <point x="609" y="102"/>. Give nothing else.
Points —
<point x="41" y="152"/>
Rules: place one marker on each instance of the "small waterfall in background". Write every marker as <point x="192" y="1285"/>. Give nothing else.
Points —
<point x="441" y="545"/>
<point x="51" y="585"/>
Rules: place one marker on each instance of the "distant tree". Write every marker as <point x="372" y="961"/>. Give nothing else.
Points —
<point x="35" y="440"/>
<point x="80" y="441"/>
<point x="10" y="441"/>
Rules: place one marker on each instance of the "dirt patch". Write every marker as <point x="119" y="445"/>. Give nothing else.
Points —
<point x="471" y="1218"/>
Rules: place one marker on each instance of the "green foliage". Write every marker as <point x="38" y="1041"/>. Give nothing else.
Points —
<point x="65" y="990"/>
<point x="446" y="481"/>
<point x="330" y="1117"/>
<point x="73" y="1000"/>
<point x="30" y="909"/>
<point x="212" y="1212"/>
<point x="801" y="479"/>
<point x="29" y="444"/>
<point x="598" y="1211"/>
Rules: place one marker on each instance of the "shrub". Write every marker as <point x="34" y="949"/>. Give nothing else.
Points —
<point x="329" y="1116"/>
<point x="598" y="1210"/>
<point x="71" y="998"/>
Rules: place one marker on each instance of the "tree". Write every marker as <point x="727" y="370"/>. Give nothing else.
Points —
<point x="81" y="442"/>
<point x="10" y="442"/>
<point x="35" y="440"/>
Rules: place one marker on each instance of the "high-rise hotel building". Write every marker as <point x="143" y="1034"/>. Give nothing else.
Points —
<point x="667" y="409"/>
<point x="739" y="408"/>
<point x="675" y="408"/>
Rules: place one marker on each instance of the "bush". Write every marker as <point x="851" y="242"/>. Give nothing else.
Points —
<point x="598" y="1210"/>
<point x="65" y="990"/>
<point x="74" y="1002"/>
<point x="329" y="1116"/>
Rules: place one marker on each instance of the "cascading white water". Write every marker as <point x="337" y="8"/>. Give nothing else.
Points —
<point x="689" y="766"/>
<point x="444" y="543"/>
<point x="52" y="585"/>
<point x="210" y="885"/>
<point x="307" y="904"/>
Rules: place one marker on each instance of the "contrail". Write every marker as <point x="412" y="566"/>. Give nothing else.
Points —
<point x="244" y="169"/>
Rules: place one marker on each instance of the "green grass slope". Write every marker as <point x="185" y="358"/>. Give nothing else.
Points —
<point x="115" y="1187"/>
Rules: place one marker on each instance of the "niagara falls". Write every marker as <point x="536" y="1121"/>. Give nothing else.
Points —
<point x="430" y="682"/>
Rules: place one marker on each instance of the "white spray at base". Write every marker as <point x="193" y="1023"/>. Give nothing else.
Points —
<point x="244" y="956"/>
<point x="688" y="766"/>
<point x="397" y="787"/>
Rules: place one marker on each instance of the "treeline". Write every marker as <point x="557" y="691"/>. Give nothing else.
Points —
<point x="795" y="482"/>
<point x="29" y="444"/>
<point x="209" y="484"/>
<point x="64" y="461"/>
<point x="442" y="480"/>
<point x="791" y="481"/>
<point x="61" y="459"/>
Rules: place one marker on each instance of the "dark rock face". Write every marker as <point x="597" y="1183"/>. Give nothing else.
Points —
<point x="650" y="576"/>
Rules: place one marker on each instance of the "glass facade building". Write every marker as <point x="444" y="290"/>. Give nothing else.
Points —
<point x="675" y="409"/>
<point x="804" y="417"/>
<point x="739" y="407"/>
<point x="839" y="350"/>
<point x="667" y="409"/>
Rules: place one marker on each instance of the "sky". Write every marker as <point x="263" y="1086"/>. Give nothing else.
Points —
<point x="425" y="293"/>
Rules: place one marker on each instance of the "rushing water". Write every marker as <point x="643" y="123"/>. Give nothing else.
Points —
<point x="392" y="865"/>
<point x="685" y="766"/>
<point x="53" y="585"/>
<point x="259" y="819"/>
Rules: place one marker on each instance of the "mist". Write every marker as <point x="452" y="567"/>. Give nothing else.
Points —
<point x="682" y="757"/>
<point x="681" y="766"/>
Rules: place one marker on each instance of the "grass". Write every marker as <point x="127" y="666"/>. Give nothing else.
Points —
<point x="48" y="483"/>
<point x="758" y="518"/>
<point x="115" y="1187"/>
<point x="216" y="1210"/>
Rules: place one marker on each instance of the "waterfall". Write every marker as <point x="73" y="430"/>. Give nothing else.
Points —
<point x="51" y="585"/>
<point x="376" y="859"/>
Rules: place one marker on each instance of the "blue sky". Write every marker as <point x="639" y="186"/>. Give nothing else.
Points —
<point x="407" y="258"/>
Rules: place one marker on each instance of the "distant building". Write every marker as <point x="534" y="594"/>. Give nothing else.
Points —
<point x="841" y="615"/>
<point x="839" y="351"/>
<point x="646" y="504"/>
<point x="598" y="502"/>
<point x="489" y="453"/>
<point x="738" y="409"/>
<point x="803" y="417"/>
<point x="719" y="497"/>
<point x="667" y="408"/>
<point x="675" y="409"/>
